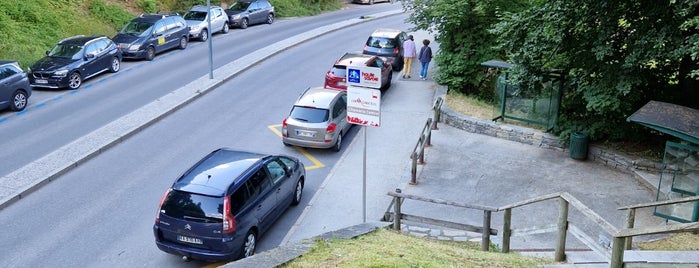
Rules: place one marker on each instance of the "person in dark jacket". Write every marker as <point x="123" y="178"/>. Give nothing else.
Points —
<point x="425" y="57"/>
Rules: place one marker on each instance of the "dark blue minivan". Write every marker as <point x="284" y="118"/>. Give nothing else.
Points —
<point x="218" y="209"/>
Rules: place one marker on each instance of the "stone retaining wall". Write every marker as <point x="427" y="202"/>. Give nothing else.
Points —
<point x="538" y="138"/>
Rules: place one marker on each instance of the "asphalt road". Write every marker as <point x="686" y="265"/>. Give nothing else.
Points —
<point x="101" y="213"/>
<point x="57" y="117"/>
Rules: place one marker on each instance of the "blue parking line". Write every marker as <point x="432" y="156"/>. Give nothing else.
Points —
<point x="102" y="80"/>
<point x="2" y="120"/>
<point x="40" y="105"/>
<point x="57" y="98"/>
<point x="74" y="91"/>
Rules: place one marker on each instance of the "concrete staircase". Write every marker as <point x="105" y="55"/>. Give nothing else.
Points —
<point x="632" y="258"/>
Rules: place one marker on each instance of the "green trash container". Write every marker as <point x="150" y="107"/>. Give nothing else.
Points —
<point x="578" y="145"/>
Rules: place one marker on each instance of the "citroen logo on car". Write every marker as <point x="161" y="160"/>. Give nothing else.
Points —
<point x="188" y="227"/>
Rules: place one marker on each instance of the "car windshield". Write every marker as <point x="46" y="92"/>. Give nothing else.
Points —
<point x="309" y="114"/>
<point x="193" y="207"/>
<point x="137" y="28"/>
<point x="195" y="15"/>
<point x="67" y="51"/>
<point x="380" y="42"/>
<point x="240" y="6"/>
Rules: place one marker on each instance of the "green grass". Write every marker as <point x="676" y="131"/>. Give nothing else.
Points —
<point x="30" y="28"/>
<point x="387" y="248"/>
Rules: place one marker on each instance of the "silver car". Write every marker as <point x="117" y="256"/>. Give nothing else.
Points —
<point x="318" y="119"/>
<point x="198" y="25"/>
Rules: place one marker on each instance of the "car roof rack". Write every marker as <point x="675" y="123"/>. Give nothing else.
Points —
<point x="72" y="37"/>
<point x="162" y="15"/>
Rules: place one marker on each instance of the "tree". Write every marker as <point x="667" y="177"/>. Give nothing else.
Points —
<point x="462" y="30"/>
<point x="617" y="56"/>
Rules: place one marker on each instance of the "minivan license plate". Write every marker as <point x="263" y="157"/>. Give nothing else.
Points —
<point x="189" y="240"/>
<point x="41" y="81"/>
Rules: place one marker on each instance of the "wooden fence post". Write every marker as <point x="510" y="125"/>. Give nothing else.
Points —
<point x="485" y="236"/>
<point x="506" y="231"/>
<point x="560" y="254"/>
<point x="630" y="221"/>
<point x="617" y="253"/>
<point x="413" y="169"/>
<point x="396" y="211"/>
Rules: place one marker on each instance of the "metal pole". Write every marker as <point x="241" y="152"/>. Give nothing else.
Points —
<point x="211" y="49"/>
<point x="364" y="181"/>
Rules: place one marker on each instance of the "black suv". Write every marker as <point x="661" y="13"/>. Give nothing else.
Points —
<point x="73" y="60"/>
<point x="218" y="209"/>
<point x="150" y="34"/>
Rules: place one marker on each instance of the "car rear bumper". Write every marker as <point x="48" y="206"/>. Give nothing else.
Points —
<point x="309" y="144"/>
<point x="197" y="253"/>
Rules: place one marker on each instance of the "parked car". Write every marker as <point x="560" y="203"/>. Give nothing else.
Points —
<point x="74" y="60"/>
<point x="14" y="86"/>
<point x="150" y="34"/>
<point x="318" y="119"/>
<point x="248" y="12"/>
<point x="220" y="207"/>
<point x="387" y="43"/>
<point x="336" y="77"/>
<point x="198" y="22"/>
<point x="371" y="2"/>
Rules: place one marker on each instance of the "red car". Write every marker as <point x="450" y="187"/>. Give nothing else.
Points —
<point x="335" y="77"/>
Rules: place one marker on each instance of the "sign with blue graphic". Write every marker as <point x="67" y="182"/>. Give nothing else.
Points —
<point x="353" y="75"/>
<point x="364" y="76"/>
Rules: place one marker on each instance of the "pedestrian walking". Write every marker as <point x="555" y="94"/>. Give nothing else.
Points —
<point x="425" y="57"/>
<point x="408" y="55"/>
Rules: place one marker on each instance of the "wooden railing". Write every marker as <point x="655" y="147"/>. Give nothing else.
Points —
<point x="425" y="140"/>
<point x="621" y="238"/>
<point x="398" y="216"/>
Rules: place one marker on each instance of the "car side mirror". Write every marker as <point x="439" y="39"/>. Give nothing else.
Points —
<point x="90" y="56"/>
<point x="288" y="171"/>
<point x="47" y="52"/>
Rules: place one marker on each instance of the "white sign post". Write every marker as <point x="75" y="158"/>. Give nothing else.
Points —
<point x="364" y="106"/>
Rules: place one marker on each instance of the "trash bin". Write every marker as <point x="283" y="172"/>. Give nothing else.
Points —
<point x="578" y="145"/>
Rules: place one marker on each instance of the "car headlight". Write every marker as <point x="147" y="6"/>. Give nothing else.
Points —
<point x="235" y="17"/>
<point x="194" y="28"/>
<point x="134" y="47"/>
<point x="61" y="73"/>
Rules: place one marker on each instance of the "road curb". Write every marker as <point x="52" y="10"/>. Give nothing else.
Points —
<point x="23" y="181"/>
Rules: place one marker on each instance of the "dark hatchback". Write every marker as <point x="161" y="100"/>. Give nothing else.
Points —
<point x="248" y="12"/>
<point x="218" y="209"/>
<point x="387" y="43"/>
<point x="14" y="86"/>
<point x="75" y="59"/>
<point x="150" y="34"/>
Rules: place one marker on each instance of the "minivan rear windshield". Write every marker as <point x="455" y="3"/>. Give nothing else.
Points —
<point x="381" y="42"/>
<point x="309" y="114"/>
<point x="193" y="207"/>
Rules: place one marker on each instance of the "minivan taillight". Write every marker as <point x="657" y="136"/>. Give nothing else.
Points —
<point x="396" y="51"/>
<point x="228" y="219"/>
<point x="160" y="207"/>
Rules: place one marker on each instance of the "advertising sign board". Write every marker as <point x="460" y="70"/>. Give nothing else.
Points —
<point x="363" y="106"/>
<point x="364" y="76"/>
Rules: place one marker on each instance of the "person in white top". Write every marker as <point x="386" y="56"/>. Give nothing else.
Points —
<point x="409" y="52"/>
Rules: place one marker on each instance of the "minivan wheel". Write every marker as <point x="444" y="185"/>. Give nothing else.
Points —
<point x="338" y="143"/>
<point x="204" y="35"/>
<point x="249" y="244"/>
<point x="116" y="65"/>
<point x="150" y="53"/>
<point x="183" y="42"/>
<point x="298" y="193"/>
<point x="19" y="101"/>
<point x="244" y="23"/>
<point x="74" y="80"/>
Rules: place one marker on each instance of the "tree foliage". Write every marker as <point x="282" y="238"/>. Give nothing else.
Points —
<point x="616" y="55"/>
<point x="462" y="30"/>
